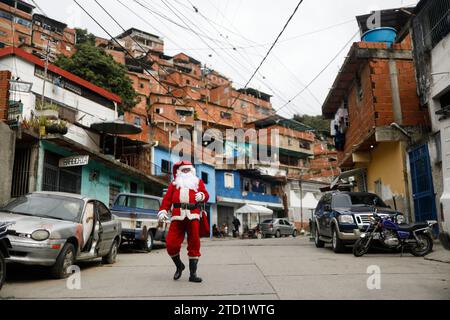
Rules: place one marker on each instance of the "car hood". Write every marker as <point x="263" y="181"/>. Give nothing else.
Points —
<point x="365" y="210"/>
<point x="27" y="225"/>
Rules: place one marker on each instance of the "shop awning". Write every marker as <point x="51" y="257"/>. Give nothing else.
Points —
<point x="116" y="127"/>
<point x="251" y="208"/>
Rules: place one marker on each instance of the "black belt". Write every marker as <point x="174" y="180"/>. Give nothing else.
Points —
<point x="186" y="206"/>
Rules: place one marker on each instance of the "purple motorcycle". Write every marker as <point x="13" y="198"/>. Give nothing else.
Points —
<point x="385" y="233"/>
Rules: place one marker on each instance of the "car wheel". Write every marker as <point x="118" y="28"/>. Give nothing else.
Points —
<point x="2" y="270"/>
<point x="278" y="234"/>
<point x="112" y="255"/>
<point x="319" y="243"/>
<point x="294" y="234"/>
<point x="148" y="244"/>
<point x="336" y="243"/>
<point x="65" y="259"/>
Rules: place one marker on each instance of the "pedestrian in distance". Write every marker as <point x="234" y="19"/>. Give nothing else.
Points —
<point x="236" y="224"/>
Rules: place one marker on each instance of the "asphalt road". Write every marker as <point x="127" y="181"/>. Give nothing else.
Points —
<point x="285" y="268"/>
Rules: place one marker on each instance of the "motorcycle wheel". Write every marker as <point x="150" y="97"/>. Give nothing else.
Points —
<point x="2" y="270"/>
<point x="360" y="248"/>
<point x="424" y="247"/>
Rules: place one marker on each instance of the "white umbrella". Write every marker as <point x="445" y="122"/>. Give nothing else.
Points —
<point x="251" y="208"/>
<point x="255" y="209"/>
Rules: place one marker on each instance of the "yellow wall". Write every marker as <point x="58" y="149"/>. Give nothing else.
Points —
<point x="387" y="164"/>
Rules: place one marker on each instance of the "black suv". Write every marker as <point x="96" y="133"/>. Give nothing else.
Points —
<point x="341" y="216"/>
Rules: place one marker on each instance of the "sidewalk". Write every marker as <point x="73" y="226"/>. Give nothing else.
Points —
<point x="439" y="254"/>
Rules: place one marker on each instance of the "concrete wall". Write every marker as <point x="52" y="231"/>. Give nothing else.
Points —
<point x="440" y="83"/>
<point x="7" y="150"/>
<point x="310" y="197"/>
<point x="94" y="112"/>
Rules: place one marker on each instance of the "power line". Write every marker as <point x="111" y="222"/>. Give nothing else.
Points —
<point x="273" y="45"/>
<point x="251" y="41"/>
<point x="276" y="57"/>
<point x="193" y="31"/>
<point x="321" y="71"/>
<point x="206" y="44"/>
<point x="125" y="50"/>
<point x="174" y="22"/>
<point x="280" y="94"/>
<point x="204" y="109"/>
<point x="255" y="45"/>
<point x="197" y="34"/>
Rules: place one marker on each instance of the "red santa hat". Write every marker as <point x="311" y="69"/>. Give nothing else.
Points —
<point x="180" y="166"/>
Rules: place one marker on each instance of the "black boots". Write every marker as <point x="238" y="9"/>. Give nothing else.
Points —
<point x="180" y="267"/>
<point x="193" y="269"/>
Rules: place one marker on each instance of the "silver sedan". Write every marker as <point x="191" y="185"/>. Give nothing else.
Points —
<point x="58" y="229"/>
<point x="277" y="228"/>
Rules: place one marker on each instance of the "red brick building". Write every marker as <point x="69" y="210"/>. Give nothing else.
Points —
<point x="15" y="23"/>
<point x="376" y="114"/>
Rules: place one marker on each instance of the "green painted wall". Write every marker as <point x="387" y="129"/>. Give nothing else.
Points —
<point x="97" y="188"/>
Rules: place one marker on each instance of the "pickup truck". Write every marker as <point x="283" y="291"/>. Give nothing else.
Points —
<point x="138" y="215"/>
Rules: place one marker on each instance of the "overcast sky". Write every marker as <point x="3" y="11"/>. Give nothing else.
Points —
<point x="318" y="31"/>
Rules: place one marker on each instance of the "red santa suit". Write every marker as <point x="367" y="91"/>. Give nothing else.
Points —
<point x="185" y="201"/>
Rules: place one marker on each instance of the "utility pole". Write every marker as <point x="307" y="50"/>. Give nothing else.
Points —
<point x="47" y="53"/>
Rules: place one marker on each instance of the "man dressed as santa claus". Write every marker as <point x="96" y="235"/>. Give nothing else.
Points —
<point x="185" y="198"/>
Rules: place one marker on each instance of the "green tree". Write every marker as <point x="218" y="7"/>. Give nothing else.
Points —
<point x="95" y="65"/>
<point x="84" y="36"/>
<point x="318" y="123"/>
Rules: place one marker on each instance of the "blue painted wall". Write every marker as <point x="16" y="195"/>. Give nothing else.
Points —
<point x="163" y="154"/>
<point x="211" y="185"/>
<point x="236" y="192"/>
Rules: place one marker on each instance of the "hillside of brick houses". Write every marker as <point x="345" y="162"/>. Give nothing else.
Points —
<point x="174" y="91"/>
<point x="178" y="90"/>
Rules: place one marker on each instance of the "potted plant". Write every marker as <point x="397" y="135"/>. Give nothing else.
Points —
<point x="62" y="126"/>
<point x="56" y="127"/>
<point x="48" y="110"/>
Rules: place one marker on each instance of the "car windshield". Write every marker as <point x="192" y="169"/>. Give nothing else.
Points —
<point x="47" y="206"/>
<point x="268" y="221"/>
<point x="352" y="200"/>
<point x="137" y="202"/>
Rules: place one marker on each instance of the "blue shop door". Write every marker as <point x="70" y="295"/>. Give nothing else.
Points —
<point x="422" y="185"/>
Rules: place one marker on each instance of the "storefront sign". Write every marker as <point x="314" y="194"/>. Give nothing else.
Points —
<point x="75" y="161"/>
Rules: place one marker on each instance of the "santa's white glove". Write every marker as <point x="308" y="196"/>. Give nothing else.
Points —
<point x="199" y="196"/>
<point x="162" y="215"/>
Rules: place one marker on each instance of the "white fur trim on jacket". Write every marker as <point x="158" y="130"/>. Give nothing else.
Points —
<point x="186" y="214"/>
<point x="184" y="195"/>
<point x="186" y="167"/>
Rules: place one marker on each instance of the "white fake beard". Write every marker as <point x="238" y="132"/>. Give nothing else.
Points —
<point x="187" y="180"/>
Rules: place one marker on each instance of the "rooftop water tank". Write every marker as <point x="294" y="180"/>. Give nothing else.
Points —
<point x="383" y="34"/>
